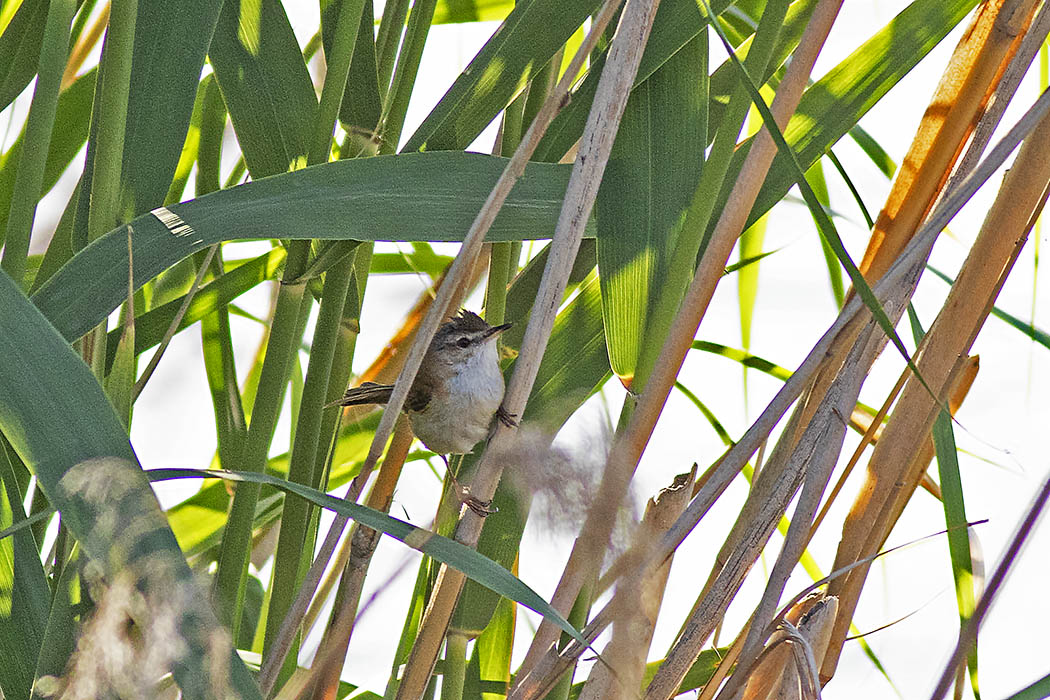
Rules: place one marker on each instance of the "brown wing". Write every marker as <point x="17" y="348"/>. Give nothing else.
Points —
<point x="367" y="393"/>
<point x="419" y="395"/>
<point x="372" y="393"/>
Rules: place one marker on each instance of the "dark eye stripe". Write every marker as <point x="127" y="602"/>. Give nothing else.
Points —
<point x="463" y="342"/>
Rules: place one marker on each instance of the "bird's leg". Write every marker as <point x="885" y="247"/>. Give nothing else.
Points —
<point x="481" y="508"/>
<point x="505" y="418"/>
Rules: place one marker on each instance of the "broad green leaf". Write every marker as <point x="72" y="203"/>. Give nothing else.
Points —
<point x="20" y="49"/>
<point x="677" y="23"/>
<point x="531" y="34"/>
<point x="58" y="643"/>
<point x="36" y="136"/>
<point x="62" y="427"/>
<point x="362" y="104"/>
<point x="490" y="663"/>
<point x="361" y="199"/>
<point x="649" y="181"/>
<point x="265" y="83"/>
<point x="170" y="45"/>
<point x="167" y="57"/>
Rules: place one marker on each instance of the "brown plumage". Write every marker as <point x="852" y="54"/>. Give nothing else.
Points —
<point x="457" y="390"/>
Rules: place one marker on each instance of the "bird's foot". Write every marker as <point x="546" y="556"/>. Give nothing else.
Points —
<point x="505" y="418"/>
<point x="481" y="508"/>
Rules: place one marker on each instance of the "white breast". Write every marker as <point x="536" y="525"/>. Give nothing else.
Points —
<point x="458" y="418"/>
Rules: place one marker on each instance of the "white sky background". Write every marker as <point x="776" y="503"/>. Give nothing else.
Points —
<point x="1003" y="421"/>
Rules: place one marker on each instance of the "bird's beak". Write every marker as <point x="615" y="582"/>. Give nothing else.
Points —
<point x="496" y="330"/>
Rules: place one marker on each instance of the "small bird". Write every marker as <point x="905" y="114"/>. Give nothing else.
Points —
<point x="457" y="391"/>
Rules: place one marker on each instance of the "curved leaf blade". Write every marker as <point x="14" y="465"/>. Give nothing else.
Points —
<point x="170" y="45"/>
<point x="20" y="48"/>
<point x="475" y="566"/>
<point x="416" y="197"/>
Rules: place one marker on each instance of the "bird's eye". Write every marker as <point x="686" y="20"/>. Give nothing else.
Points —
<point x="463" y="342"/>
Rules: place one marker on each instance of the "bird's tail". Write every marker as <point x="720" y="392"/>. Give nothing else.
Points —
<point x="367" y="393"/>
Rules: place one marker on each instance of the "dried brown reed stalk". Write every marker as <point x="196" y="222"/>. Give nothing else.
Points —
<point x="807" y="464"/>
<point x="897" y="284"/>
<point x="896" y="465"/>
<point x="635" y="618"/>
<point x="628" y="446"/>
<point x="874" y="432"/>
<point x="969" y="79"/>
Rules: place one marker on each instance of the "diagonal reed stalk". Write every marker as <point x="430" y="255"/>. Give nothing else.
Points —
<point x="894" y="282"/>
<point x="968" y="635"/>
<point x="437" y="312"/>
<point x="595" y="146"/>
<point x="627" y="448"/>
<point x="894" y="472"/>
